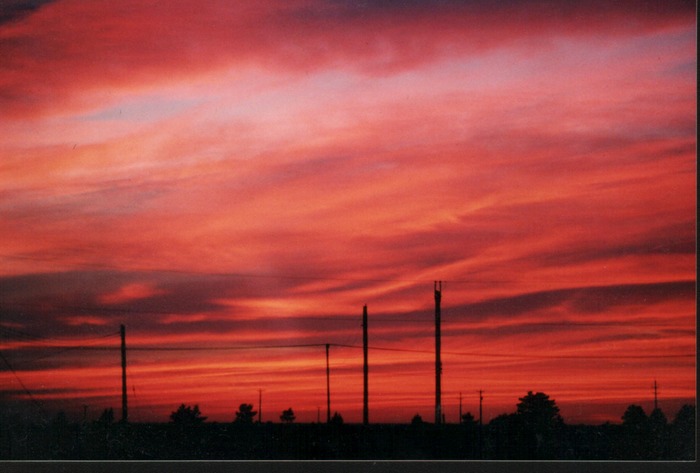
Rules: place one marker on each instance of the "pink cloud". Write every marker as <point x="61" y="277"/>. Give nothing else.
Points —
<point x="75" y="46"/>
<point x="216" y="176"/>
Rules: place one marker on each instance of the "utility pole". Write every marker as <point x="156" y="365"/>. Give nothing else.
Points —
<point x="438" y="363"/>
<point x="328" y="385"/>
<point x="365" y="398"/>
<point x="122" y="332"/>
<point x="656" y="400"/>
<point x="481" y="400"/>
<point x="481" y="425"/>
<point x="460" y="407"/>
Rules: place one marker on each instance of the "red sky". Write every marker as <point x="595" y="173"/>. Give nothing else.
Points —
<point x="232" y="177"/>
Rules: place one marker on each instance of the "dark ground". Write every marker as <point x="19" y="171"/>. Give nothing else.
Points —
<point x="61" y="440"/>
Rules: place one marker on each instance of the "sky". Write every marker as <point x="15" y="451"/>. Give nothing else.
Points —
<point x="234" y="181"/>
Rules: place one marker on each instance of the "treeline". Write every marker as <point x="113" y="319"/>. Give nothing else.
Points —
<point x="535" y="431"/>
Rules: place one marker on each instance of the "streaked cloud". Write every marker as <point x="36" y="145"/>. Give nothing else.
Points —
<point x="230" y="174"/>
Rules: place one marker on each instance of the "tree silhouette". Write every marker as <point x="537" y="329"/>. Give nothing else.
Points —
<point x="508" y="438"/>
<point x="417" y="420"/>
<point x="658" y="435"/>
<point x="245" y="414"/>
<point x="540" y="423"/>
<point x="635" y="431"/>
<point x="337" y="419"/>
<point x="685" y="417"/>
<point x="683" y="429"/>
<point x="657" y="418"/>
<point x="539" y="411"/>
<point x="468" y="419"/>
<point x="634" y="418"/>
<point x="288" y="416"/>
<point x="187" y="416"/>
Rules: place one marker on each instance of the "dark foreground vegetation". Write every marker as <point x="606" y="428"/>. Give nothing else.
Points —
<point x="506" y="437"/>
<point x="535" y="431"/>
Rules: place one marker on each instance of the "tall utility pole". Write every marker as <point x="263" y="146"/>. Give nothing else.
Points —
<point x="328" y="385"/>
<point x="122" y="332"/>
<point x="365" y="398"/>
<point x="656" y="400"/>
<point x="460" y="407"/>
<point x="438" y="363"/>
<point x="481" y="425"/>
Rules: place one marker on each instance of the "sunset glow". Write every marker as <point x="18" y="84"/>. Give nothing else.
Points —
<point x="233" y="181"/>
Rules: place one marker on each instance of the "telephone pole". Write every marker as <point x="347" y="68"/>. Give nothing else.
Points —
<point x="481" y="400"/>
<point x="481" y="425"/>
<point x="365" y="398"/>
<point x="438" y="363"/>
<point x="460" y="407"/>
<point x="656" y="400"/>
<point x="328" y="385"/>
<point x="122" y="332"/>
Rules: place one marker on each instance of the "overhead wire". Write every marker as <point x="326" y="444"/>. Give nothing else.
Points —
<point x="517" y="355"/>
<point x="227" y="348"/>
<point x="62" y="348"/>
<point x="370" y="347"/>
<point x="96" y="340"/>
<point x="27" y="337"/>
<point x="24" y="387"/>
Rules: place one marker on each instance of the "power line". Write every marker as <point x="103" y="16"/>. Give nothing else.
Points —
<point x="26" y="390"/>
<point x="344" y="345"/>
<point x="225" y="348"/>
<point x="63" y="349"/>
<point x="572" y="357"/>
<point x="516" y="355"/>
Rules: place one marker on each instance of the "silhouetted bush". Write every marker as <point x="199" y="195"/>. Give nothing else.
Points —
<point x="186" y="416"/>
<point x="506" y="437"/>
<point x="245" y="414"/>
<point x="337" y="419"/>
<point x="288" y="416"/>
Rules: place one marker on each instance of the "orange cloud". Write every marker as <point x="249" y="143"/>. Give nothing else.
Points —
<point x="233" y="182"/>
